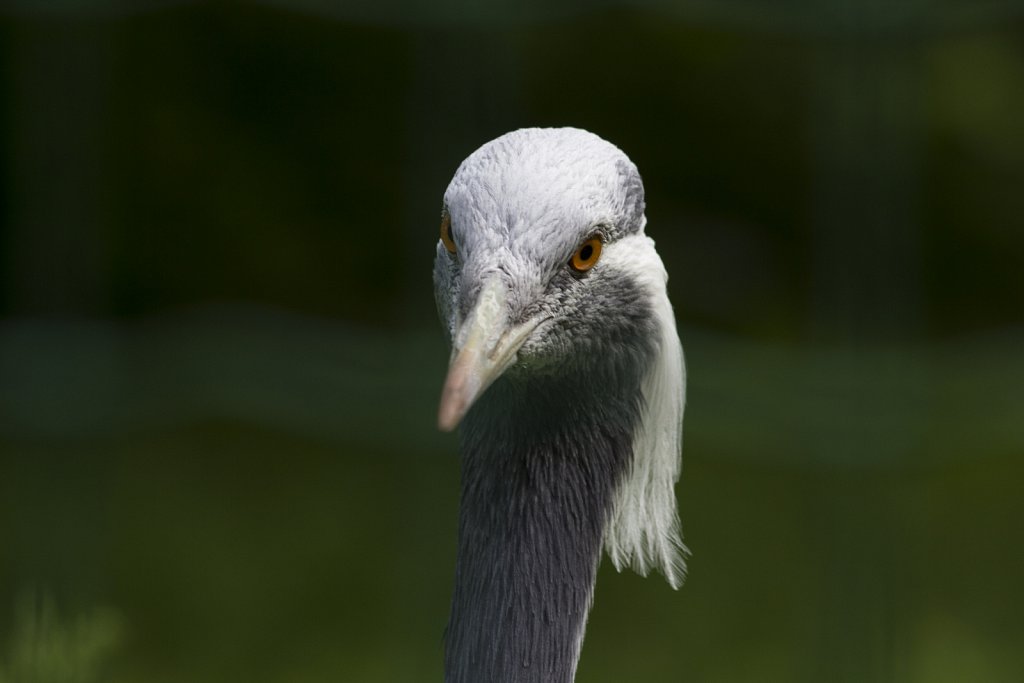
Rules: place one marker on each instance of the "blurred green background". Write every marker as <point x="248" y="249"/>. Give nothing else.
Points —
<point x="219" y="359"/>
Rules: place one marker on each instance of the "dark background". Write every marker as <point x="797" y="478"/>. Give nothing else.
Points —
<point x="219" y="359"/>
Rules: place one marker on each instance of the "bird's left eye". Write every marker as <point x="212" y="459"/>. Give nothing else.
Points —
<point x="586" y="256"/>
<point x="447" y="239"/>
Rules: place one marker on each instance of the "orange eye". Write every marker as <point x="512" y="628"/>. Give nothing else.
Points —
<point x="586" y="256"/>
<point x="447" y="239"/>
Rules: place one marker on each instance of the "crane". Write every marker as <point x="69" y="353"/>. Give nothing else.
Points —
<point x="567" y="383"/>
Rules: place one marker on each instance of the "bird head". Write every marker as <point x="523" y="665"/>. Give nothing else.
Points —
<point x="542" y="262"/>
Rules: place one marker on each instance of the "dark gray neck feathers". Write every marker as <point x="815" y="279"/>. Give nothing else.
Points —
<point x="541" y="458"/>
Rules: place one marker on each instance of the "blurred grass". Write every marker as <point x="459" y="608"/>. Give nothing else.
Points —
<point x="241" y="553"/>
<point x="49" y="647"/>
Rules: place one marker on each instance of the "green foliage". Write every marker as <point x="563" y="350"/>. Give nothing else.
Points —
<point x="48" y="647"/>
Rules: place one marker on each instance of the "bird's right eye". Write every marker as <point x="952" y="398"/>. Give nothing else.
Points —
<point x="586" y="256"/>
<point x="447" y="239"/>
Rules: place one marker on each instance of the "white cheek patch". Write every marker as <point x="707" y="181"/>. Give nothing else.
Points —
<point x="643" y="530"/>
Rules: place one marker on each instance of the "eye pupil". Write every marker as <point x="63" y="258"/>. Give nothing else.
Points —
<point x="447" y="237"/>
<point x="585" y="252"/>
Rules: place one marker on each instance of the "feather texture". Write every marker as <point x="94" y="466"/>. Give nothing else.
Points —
<point x="643" y="531"/>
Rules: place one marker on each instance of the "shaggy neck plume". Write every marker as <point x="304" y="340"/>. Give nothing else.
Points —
<point x="540" y="466"/>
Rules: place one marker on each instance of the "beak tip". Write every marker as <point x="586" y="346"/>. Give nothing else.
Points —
<point x="446" y="423"/>
<point x="450" y="412"/>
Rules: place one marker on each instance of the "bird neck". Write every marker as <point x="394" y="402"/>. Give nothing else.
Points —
<point x="540" y="467"/>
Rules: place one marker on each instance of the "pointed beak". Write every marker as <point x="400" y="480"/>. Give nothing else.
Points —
<point x="484" y="347"/>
